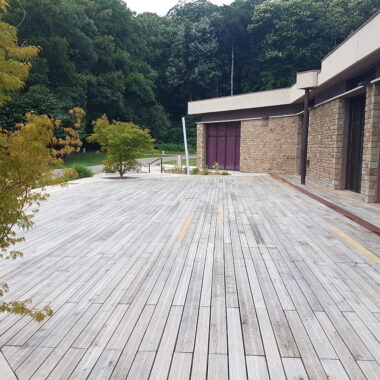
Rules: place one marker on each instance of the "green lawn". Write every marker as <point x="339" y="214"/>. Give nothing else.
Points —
<point x="94" y="158"/>
<point x="192" y="162"/>
<point x="86" y="159"/>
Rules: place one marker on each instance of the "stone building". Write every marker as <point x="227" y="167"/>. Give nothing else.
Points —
<point x="262" y="131"/>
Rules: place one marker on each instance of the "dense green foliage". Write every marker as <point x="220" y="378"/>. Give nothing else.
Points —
<point x="98" y="55"/>
<point x="83" y="171"/>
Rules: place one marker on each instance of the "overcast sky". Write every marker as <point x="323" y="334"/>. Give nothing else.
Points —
<point x="160" y="7"/>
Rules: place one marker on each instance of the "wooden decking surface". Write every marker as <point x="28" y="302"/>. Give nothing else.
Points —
<point x="179" y="277"/>
<point x="349" y="200"/>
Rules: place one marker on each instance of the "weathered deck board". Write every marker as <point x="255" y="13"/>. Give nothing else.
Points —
<point x="201" y="277"/>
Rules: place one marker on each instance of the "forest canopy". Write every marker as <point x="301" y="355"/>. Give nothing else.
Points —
<point x="100" y="56"/>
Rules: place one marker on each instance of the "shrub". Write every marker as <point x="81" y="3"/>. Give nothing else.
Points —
<point x="216" y="167"/>
<point x="225" y="173"/>
<point x="83" y="171"/>
<point x="70" y="174"/>
<point x="205" y="171"/>
<point x="195" y="171"/>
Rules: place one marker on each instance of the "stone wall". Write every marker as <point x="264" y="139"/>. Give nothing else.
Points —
<point x="270" y="145"/>
<point x="371" y="145"/>
<point x="326" y="126"/>
<point x="201" y="145"/>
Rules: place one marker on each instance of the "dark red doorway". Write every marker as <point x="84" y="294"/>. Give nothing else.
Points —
<point x="223" y="145"/>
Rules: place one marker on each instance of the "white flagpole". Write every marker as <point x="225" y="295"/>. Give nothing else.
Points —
<point x="185" y="141"/>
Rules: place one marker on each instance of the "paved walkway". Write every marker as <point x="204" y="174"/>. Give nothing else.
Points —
<point x="194" y="277"/>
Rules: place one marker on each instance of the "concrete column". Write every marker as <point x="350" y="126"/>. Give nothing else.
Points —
<point x="304" y="136"/>
<point x="325" y="144"/>
<point x="201" y="145"/>
<point x="371" y="146"/>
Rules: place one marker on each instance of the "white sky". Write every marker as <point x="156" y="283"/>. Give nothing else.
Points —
<point x="160" y="7"/>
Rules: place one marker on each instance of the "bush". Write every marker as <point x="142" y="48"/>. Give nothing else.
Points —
<point x="83" y="171"/>
<point x="70" y="174"/>
<point x="205" y="171"/>
<point x="225" y="173"/>
<point x="195" y="171"/>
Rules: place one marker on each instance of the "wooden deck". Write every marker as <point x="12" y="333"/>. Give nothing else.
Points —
<point x="177" y="277"/>
<point x="349" y="200"/>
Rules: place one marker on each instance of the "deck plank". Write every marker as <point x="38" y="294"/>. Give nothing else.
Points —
<point x="165" y="351"/>
<point x="237" y="365"/>
<point x="199" y="367"/>
<point x="309" y="357"/>
<point x="217" y="367"/>
<point x="345" y="356"/>
<point x="294" y="369"/>
<point x="257" y="368"/>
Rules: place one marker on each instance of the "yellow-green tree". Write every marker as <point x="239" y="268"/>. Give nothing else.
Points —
<point x="124" y="142"/>
<point x="27" y="156"/>
<point x="14" y="59"/>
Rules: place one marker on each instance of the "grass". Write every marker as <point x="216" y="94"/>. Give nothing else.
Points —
<point x="192" y="162"/>
<point x="85" y="159"/>
<point x="94" y="158"/>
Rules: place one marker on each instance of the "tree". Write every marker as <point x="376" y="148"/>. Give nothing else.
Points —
<point x="193" y="72"/>
<point x="144" y="69"/>
<point x="124" y="143"/>
<point x="235" y="45"/>
<point x="27" y="153"/>
<point x="38" y="99"/>
<point x="192" y="10"/>
<point x="92" y="55"/>
<point x="31" y="142"/>
<point x="14" y="60"/>
<point x="294" y="35"/>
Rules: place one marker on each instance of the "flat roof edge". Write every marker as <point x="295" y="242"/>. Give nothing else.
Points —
<point x="351" y="35"/>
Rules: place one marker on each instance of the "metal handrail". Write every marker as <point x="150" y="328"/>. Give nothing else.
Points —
<point x="157" y="159"/>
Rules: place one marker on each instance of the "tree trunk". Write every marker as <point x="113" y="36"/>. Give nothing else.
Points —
<point x="232" y="69"/>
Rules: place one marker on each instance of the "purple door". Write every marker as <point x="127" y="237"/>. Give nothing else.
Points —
<point x="223" y="145"/>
